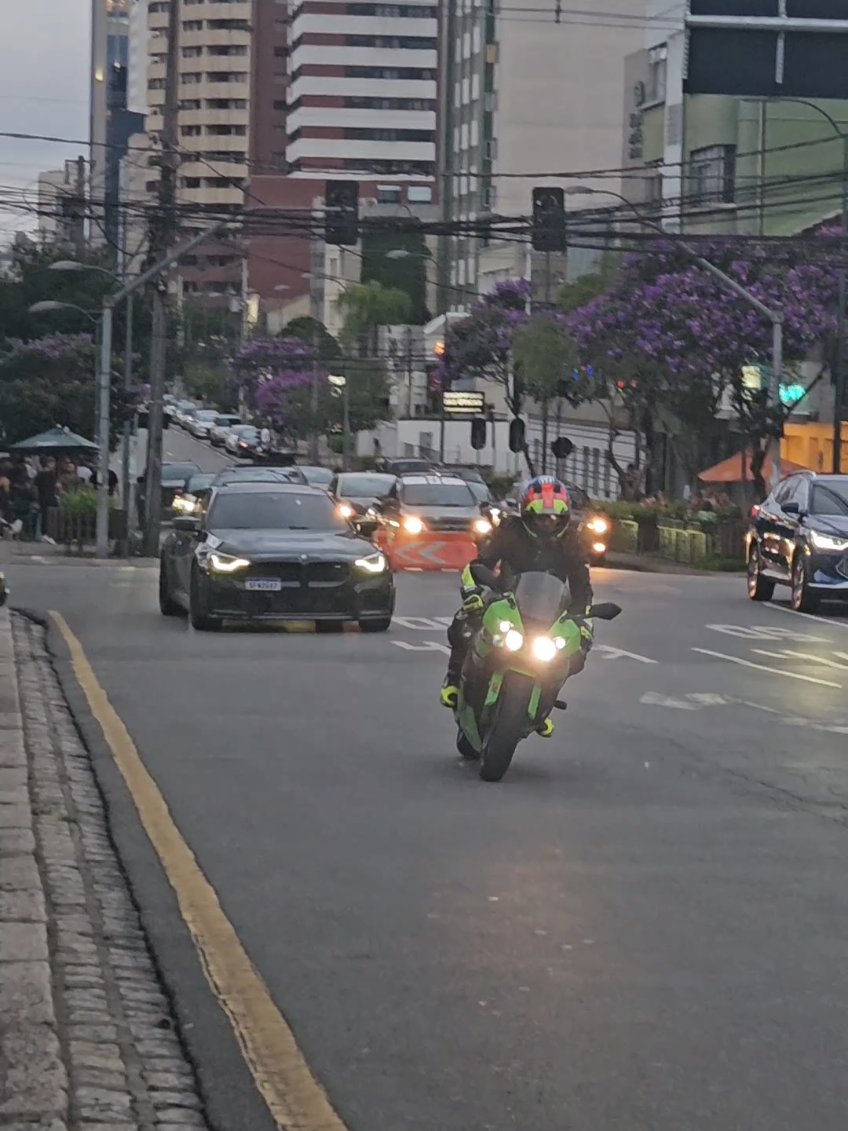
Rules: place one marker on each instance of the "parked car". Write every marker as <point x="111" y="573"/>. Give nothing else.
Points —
<point x="799" y="537"/>
<point x="175" y="476"/>
<point x="201" y="422"/>
<point x="243" y="440"/>
<point x="219" y="431"/>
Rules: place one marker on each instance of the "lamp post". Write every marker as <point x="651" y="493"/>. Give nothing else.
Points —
<point x="773" y="316"/>
<point x="126" y="494"/>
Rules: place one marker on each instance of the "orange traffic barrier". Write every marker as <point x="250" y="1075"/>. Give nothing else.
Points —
<point x="430" y="551"/>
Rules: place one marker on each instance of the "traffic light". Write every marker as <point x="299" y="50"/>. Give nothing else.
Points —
<point x="478" y="433"/>
<point x="548" y="233"/>
<point x="341" y="213"/>
<point x="517" y="440"/>
<point x="562" y="447"/>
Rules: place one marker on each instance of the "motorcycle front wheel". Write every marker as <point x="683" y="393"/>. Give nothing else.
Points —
<point x="510" y="725"/>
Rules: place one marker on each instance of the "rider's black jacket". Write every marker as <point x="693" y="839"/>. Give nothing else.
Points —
<point x="519" y="551"/>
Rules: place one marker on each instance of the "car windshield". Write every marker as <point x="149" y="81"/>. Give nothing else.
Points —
<point x="830" y="498"/>
<point x="226" y="421"/>
<point x="438" y="495"/>
<point x="480" y="490"/>
<point x="258" y="475"/>
<point x="199" y="483"/>
<point x="317" y="476"/>
<point x="245" y="430"/>
<point x="364" y="486"/>
<point x="288" y="510"/>
<point x="173" y="471"/>
<point x="206" y="414"/>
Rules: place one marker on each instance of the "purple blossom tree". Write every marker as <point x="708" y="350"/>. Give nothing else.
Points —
<point x="670" y="340"/>
<point x="276" y="377"/>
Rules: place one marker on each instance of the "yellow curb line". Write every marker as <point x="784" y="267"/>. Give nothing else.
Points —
<point x="295" y="1099"/>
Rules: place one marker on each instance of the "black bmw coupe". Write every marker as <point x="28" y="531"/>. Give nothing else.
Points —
<point x="273" y="552"/>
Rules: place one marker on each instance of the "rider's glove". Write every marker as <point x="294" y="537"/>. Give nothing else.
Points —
<point x="587" y="633"/>
<point x="472" y="600"/>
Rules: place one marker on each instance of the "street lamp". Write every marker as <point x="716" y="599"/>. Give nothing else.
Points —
<point x="343" y="383"/>
<point x="126" y="493"/>
<point x="774" y="316"/>
<point x="49" y="305"/>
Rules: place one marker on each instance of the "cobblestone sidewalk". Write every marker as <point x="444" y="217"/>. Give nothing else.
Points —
<point x="87" y="1037"/>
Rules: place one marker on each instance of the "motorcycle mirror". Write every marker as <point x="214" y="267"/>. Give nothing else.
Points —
<point x="484" y="576"/>
<point x="607" y="610"/>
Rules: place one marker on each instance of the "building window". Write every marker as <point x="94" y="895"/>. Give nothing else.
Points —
<point x="654" y="185"/>
<point x="192" y="25"/>
<point x="190" y="104"/>
<point x="190" y="131"/>
<point x="226" y="103"/>
<point x="191" y="182"/>
<point x="227" y="49"/>
<point x="712" y="175"/>
<point x="192" y="52"/>
<point x="657" y="70"/>
<point x="388" y="194"/>
<point x="419" y="194"/>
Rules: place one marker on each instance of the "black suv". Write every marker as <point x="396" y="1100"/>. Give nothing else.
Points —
<point x="799" y="537"/>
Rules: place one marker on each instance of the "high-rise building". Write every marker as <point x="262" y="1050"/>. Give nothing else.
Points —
<point x="529" y="96"/>
<point x="362" y="91"/>
<point x="109" y="127"/>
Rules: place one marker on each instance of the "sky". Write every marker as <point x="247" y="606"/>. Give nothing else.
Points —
<point x="44" y="59"/>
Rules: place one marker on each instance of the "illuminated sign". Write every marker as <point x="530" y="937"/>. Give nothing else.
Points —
<point x="456" y="403"/>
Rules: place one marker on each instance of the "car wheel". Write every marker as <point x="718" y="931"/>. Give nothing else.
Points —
<point x="198" y="616"/>
<point x="759" y="587"/>
<point x="168" y="607"/>
<point x="383" y="624"/>
<point x="328" y="626"/>
<point x="803" y="600"/>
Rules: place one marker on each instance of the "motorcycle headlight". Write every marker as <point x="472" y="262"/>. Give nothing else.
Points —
<point x="513" y="641"/>
<point x="544" y="649"/>
<point x="226" y="563"/>
<point x="185" y="504"/>
<point x="826" y="542"/>
<point x="413" y="525"/>
<point x="481" y="526"/>
<point x="374" y="563"/>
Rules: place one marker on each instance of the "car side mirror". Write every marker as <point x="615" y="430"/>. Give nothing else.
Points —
<point x="188" y="524"/>
<point x="791" y="508"/>
<point x="607" y="610"/>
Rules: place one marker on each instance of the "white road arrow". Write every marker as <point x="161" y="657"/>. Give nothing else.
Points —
<point x="429" y="646"/>
<point x="652" y="699"/>
<point x="619" y="654"/>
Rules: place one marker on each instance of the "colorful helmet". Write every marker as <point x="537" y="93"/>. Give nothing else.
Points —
<point x="546" y="506"/>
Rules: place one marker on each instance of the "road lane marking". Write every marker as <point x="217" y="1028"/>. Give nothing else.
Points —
<point x="790" y="655"/>
<point x="429" y="646"/>
<point x="767" y="632"/>
<point x="619" y="654"/>
<point x="654" y="699"/>
<point x="293" y="1096"/>
<point x="807" y="616"/>
<point x="764" y="668"/>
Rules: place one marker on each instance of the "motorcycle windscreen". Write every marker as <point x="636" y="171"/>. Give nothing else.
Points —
<point x="541" y="599"/>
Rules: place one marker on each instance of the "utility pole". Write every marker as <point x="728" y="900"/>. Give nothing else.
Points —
<point x="162" y="236"/>
<point x="840" y="382"/>
<point x="78" y="235"/>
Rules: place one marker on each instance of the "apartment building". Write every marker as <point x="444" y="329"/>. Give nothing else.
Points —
<point x="527" y="91"/>
<point x="362" y="92"/>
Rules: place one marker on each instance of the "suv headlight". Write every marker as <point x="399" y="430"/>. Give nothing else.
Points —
<point x="598" y="525"/>
<point x="827" y="541"/>
<point x="374" y="563"/>
<point x="226" y="563"/>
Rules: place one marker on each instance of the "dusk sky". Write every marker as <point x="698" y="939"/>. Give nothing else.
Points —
<point x="43" y="90"/>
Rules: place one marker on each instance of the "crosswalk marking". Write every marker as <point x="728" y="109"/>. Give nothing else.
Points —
<point x="765" y="668"/>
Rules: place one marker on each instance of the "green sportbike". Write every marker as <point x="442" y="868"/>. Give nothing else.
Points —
<point x="518" y="659"/>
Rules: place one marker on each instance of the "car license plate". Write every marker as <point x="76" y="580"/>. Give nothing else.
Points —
<point x="264" y="584"/>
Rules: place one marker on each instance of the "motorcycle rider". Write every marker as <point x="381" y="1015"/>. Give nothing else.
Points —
<point x="539" y="538"/>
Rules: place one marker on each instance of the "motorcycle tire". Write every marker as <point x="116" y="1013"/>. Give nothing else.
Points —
<point x="509" y="727"/>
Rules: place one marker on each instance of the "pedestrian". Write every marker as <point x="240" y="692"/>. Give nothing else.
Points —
<point x="265" y="438"/>
<point x="69" y="480"/>
<point x="85" y="473"/>
<point x="47" y="488"/>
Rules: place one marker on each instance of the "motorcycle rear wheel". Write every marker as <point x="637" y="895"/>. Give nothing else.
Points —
<point x="509" y="727"/>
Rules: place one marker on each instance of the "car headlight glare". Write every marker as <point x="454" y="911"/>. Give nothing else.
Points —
<point x="827" y="542"/>
<point x="185" y="503"/>
<point x="598" y="525"/>
<point x="413" y="525"/>
<point x="226" y="563"/>
<point x="599" y="547"/>
<point x="544" y="649"/>
<point x="374" y="563"/>
<point x="346" y="510"/>
<point x="482" y="526"/>
<point x="513" y="641"/>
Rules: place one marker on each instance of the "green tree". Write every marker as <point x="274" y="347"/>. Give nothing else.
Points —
<point x="395" y="256"/>
<point x="316" y="334"/>
<point x="367" y="307"/>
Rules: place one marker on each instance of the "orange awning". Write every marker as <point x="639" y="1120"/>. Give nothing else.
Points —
<point x="730" y="470"/>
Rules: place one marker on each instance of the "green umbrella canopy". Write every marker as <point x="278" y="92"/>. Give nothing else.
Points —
<point x="56" y="440"/>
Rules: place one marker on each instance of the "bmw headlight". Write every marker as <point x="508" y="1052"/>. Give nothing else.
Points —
<point x="544" y="649"/>
<point x="827" y="542"/>
<point x="226" y="563"/>
<point x="374" y="563"/>
<point x="513" y="641"/>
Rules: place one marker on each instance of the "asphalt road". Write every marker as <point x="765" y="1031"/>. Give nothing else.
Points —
<point x="644" y="927"/>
